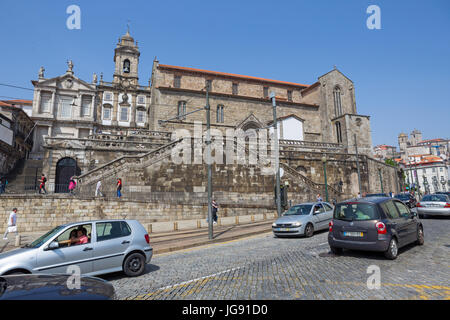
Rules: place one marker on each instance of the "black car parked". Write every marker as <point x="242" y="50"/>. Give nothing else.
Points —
<point x="53" y="287"/>
<point x="374" y="224"/>
<point x="407" y="198"/>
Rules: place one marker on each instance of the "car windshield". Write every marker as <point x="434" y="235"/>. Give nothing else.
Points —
<point x="299" y="210"/>
<point x="42" y="239"/>
<point x="355" y="211"/>
<point x="435" y="197"/>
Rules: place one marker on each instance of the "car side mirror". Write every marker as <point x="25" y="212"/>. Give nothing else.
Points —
<point x="53" y="245"/>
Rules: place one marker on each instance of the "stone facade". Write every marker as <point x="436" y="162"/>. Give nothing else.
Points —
<point x="15" y="141"/>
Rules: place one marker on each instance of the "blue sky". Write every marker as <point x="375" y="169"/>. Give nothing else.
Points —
<point x="401" y="72"/>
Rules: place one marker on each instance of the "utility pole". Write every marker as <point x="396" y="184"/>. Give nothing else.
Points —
<point x="277" y="153"/>
<point x="357" y="166"/>
<point x="208" y="155"/>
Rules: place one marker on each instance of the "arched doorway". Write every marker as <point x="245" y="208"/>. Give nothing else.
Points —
<point x="65" y="169"/>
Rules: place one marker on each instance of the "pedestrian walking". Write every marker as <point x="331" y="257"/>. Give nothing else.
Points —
<point x="215" y="208"/>
<point x="98" y="189"/>
<point x="319" y="198"/>
<point x="42" y="182"/>
<point x="2" y="186"/>
<point x="359" y="195"/>
<point x="12" y="227"/>
<point x="72" y="185"/>
<point x="119" y="188"/>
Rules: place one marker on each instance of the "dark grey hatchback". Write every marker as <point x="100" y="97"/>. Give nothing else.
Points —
<point x="374" y="224"/>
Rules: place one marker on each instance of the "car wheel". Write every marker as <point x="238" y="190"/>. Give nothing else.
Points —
<point x="336" y="250"/>
<point x="309" y="230"/>
<point x="134" y="265"/>
<point x="420" y="236"/>
<point x="392" y="250"/>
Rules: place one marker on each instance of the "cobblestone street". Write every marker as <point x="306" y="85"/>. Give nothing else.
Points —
<point x="264" y="267"/>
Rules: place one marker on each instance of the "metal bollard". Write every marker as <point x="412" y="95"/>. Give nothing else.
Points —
<point x="18" y="240"/>
<point x="199" y="224"/>
<point x="237" y="219"/>
<point x="150" y="227"/>
<point x="175" y="226"/>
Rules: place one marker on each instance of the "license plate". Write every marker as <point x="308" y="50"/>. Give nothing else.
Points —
<point x="353" y="234"/>
<point x="282" y="229"/>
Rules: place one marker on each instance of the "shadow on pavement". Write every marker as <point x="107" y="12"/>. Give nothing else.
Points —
<point x="223" y="232"/>
<point x="119" y="275"/>
<point x="369" y="254"/>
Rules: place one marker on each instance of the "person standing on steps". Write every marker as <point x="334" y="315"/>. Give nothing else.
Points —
<point x="98" y="189"/>
<point x="119" y="187"/>
<point x="42" y="182"/>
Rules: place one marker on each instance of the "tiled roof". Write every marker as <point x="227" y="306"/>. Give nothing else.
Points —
<point x="20" y="101"/>
<point x="164" y="66"/>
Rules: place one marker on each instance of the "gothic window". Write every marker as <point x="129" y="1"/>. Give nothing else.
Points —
<point x="338" y="132"/>
<point x="181" y="109"/>
<point x="46" y="100"/>
<point x="177" y="82"/>
<point x="126" y="66"/>
<point x="66" y="107"/>
<point x="235" y="88"/>
<point x="85" y="106"/>
<point x="124" y="114"/>
<point x="337" y="101"/>
<point x="219" y="114"/>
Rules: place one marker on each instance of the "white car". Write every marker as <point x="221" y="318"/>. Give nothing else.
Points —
<point x="304" y="219"/>
<point x="102" y="246"/>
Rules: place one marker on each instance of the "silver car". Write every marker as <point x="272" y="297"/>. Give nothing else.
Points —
<point x="434" y="204"/>
<point x="95" y="247"/>
<point x="303" y="219"/>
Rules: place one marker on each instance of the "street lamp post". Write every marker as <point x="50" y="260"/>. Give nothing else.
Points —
<point x="208" y="155"/>
<point x="277" y="151"/>
<point x="324" y="161"/>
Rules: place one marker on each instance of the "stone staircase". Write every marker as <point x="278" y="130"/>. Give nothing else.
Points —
<point x="311" y="185"/>
<point x="23" y="178"/>
<point x="123" y="164"/>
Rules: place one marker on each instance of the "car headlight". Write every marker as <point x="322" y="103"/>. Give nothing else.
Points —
<point x="296" y="224"/>
<point x="274" y="224"/>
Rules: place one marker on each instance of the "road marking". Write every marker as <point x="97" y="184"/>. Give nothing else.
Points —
<point x="185" y="283"/>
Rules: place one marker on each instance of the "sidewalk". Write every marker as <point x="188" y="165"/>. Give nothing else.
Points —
<point x="169" y="241"/>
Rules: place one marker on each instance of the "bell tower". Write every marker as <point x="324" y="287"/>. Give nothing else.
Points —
<point x="126" y="58"/>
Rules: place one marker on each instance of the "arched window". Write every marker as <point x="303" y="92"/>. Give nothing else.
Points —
<point x="337" y="101"/>
<point x="338" y="132"/>
<point x="126" y="66"/>
<point x="219" y="113"/>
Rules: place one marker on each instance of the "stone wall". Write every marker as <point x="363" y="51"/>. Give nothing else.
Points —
<point x="40" y="213"/>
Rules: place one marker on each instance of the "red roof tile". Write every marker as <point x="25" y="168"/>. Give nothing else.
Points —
<point x="164" y="66"/>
